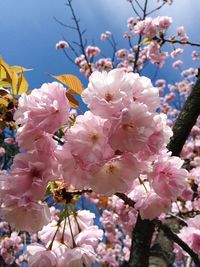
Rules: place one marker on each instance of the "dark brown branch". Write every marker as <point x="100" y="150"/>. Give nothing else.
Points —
<point x="78" y="29"/>
<point x="184" y="123"/>
<point x="157" y="8"/>
<point x="63" y="24"/>
<point x="180" y="42"/>
<point x="126" y="199"/>
<point x="172" y="236"/>
<point x="134" y="9"/>
<point x="139" y="5"/>
<point x="141" y="242"/>
<point x="113" y="44"/>
<point x="186" y="120"/>
<point x="137" y="53"/>
<point x="68" y="57"/>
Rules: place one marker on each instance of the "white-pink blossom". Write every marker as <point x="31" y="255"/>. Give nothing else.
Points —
<point x="168" y="178"/>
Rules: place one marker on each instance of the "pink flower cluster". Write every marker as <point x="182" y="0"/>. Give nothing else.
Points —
<point x="149" y="27"/>
<point x="117" y="146"/>
<point x="10" y="247"/>
<point x="39" y="115"/>
<point x="121" y="135"/>
<point x="71" y="242"/>
<point x="92" y="51"/>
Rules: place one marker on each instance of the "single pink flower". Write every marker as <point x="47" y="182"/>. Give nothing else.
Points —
<point x="132" y="130"/>
<point x="168" y="178"/>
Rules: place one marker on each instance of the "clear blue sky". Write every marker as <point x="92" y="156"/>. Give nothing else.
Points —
<point x="28" y="32"/>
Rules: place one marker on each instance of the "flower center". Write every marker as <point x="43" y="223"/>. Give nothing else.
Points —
<point x="127" y="126"/>
<point x="94" y="138"/>
<point x="110" y="168"/>
<point x="108" y="97"/>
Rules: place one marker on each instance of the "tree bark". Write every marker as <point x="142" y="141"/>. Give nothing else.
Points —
<point x="144" y="229"/>
<point x="186" y="120"/>
<point x="141" y="242"/>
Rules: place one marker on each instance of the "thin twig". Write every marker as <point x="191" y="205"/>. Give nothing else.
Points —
<point x="63" y="24"/>
<point x="134" y="9"/>
<point x="139" y="4"/>
<point x="140" y="39"/>
<point x="180" y="42"/>
<point x="157" y="8"/>
<point x="81" y="42"/>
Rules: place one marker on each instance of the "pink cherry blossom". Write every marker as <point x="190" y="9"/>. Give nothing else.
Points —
<point x="168" y="179"/>
<point x="163" y="22"/>
<point x="149" y="204"/>
<point x="115" y="175"/>
<point x="39" y="256"/>
<point x="89" y="136"/>
<point x="47" y="108"/>
<point x="108" y="93"/>
<point x="62" y="44"/>
<point x="73" y="171"/>
<point x="26" y="216"/>
<point x="92" y="51"/>
<point x="144" y="92"/>
<point x="176" y="52"/>
<point x="177" y="64"/>
<point x="132" y="130"/>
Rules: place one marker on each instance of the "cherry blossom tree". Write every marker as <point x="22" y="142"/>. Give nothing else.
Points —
<point x="133" y="155"/>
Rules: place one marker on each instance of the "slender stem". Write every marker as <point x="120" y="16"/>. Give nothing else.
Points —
<point x="114" y="46"/>
<point x="70" y="227"/>
<point x="134" y="9"/>
<point x="180" y="42"/>
<point x="140" y="38"/>
<point x="78" y="225"/>
<point x="143" y="184"/>
<point x="157" y="8"/>
<point x="64" y="25"/>
<point x="51" y="244"/>
<point x="81" y="43"/>
<point x="63" y="233"/>
<point x="139" y="4"/>
<point x="68" y="57"/>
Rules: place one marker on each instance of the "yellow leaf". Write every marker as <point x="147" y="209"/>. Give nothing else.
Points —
<point x="5" y="72"/>
<point x="3" y="91"/>
<point x="3" y="102"/>
<point x="22" y="85"/>
<point x="11" y="77"/>
<point x="72" y="100"/>
<point x="2" y="73"/>
<point x="19" y="69"/>
<point x="5" y="84"/>
<point x="71" y="81"/>
<point x="14" y="84"/>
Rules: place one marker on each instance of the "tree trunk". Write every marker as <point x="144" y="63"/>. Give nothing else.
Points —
<point x="144" y="229"/>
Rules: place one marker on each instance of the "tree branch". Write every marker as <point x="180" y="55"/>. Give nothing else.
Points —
<point x="141" y="242"/>
<point x="186" y="120"/>
<point x="126" y="199"/>
<point x="182" y="127"/>
<point x="172" y="236"/>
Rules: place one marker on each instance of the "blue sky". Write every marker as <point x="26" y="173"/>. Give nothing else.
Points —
<point x="29" y="32"/>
